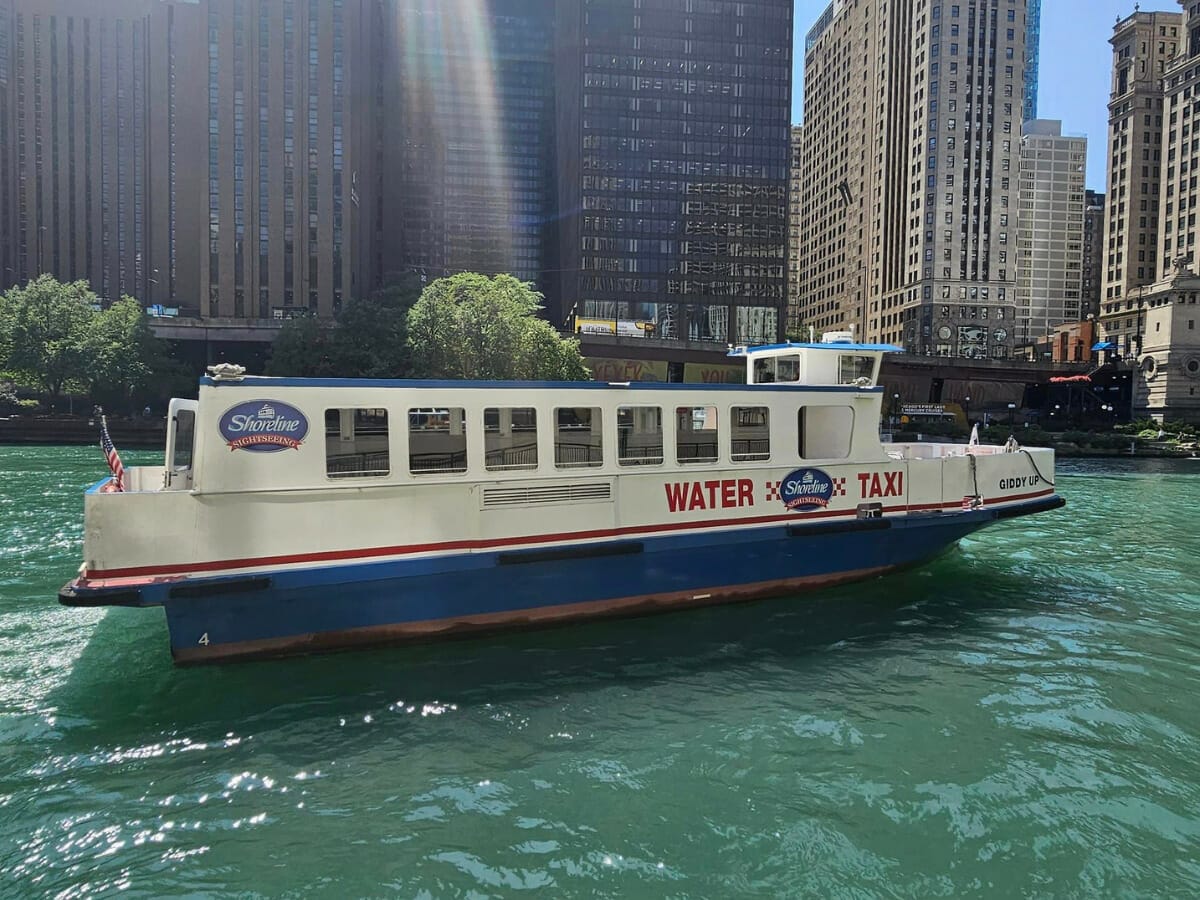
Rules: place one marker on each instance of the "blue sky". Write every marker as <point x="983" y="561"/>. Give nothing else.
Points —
<point x="1076" y="63"/>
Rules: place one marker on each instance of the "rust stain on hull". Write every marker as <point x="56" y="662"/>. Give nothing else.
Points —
<point x="542" y="617"/>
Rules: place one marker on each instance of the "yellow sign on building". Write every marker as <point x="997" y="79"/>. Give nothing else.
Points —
<point x="622" y="327"/>
<point x="619" y="370"/>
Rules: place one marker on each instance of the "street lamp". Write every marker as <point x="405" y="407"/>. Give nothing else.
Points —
<point x="895" y="410"/>
<point x="1012" y="408"/>
<point x="967" y="409"/>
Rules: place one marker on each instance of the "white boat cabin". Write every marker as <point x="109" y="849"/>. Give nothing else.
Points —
<point x="803" y="403"/>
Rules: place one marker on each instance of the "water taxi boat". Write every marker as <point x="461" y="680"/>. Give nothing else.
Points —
<point x="293" y="515"/>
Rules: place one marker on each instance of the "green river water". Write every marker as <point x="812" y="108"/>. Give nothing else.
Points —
<point x="1020" y="718"/>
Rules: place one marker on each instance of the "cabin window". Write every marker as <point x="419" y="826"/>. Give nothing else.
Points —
<point x="639" y="436"/>
<point x="356" y="443"/>
<point x="856" y="367"/>
<point x="787" y="369"/>
<point x="777" y="368"/>
<point x="695" y="434"/>
<point x="578" y="441"/>
<point x="510" y="438"/>
<point x="751" y="434"/>
<point x="825" y="431"/>
<point x="185" y="431"/>
<point x="437" y="441"/>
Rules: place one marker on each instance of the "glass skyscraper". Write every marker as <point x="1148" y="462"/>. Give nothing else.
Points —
<point x="673" y="140"/>
<point x="1033" y="39"/>
<point x="470" y="141"/>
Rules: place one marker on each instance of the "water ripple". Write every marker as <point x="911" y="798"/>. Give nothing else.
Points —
<point x="1016" y="719"/>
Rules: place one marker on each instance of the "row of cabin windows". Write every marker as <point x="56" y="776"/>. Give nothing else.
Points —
<point x="786" y="369"/>
<point x="356" y="440"/>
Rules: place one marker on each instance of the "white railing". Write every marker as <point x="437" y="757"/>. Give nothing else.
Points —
<point x="940" y="451"/>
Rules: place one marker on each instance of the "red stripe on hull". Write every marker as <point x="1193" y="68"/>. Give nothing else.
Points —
<point x="180" y="569"/>
<point x="539" y="617"/>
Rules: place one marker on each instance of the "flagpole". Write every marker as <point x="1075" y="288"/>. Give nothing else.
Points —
<point x="110" y="454"/>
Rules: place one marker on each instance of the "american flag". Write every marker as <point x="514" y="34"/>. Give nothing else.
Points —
<point x="111" y="454"/>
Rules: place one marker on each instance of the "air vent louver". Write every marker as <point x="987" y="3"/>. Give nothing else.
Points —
<point x="494" y="497"/>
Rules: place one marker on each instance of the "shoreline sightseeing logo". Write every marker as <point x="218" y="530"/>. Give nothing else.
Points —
<point x="263" y="426"/>
<point x="806" y="489"/>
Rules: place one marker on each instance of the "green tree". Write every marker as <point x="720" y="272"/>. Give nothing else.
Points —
<point x="8" y="311"/>
<point x="127" y="360"/>
<point x="302" y="350"/>
<point x="475" y="327"/>
<point x="45" y="331"/>
<point x="368" y="340"/>
<point x="371" y="340"/>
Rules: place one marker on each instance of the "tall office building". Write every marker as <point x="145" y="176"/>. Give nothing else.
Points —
<point x="1033" y="47"/>
<point x="469" y="125"/>
<point x="794" y="273"/>
<point x="7" y="244"/>
<point x="836" y="233"/>
<point x="196" y="155"/>
<point x="1142" y="44"/>
<point x="1049" y="228"/>
<point x="672" y="157"/>
<point x="1148" y="312"/>
<point x="281" y="155"/>
<point x="1180" y="192"/>
<point x="1092" y="275"/>
<point x="91" y="96"/>
<point x="910" y="205"/>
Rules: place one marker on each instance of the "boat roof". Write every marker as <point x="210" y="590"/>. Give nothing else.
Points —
<point x="825" y="345"/>
<point x="258" y="381"/>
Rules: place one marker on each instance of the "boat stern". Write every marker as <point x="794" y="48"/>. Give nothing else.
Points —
<point x="79" y="592"/>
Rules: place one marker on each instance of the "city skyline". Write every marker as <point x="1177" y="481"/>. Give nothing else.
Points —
<point x="630" y="161"/>
<point x="1075" y="67"/>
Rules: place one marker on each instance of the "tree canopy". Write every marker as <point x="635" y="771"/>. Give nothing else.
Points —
<point x="55" y="336"/>
<point x="47" y="330"/>
<point x="475" y="327"/>
<point x="464" y="326"/>
<point x="368" y="339"/>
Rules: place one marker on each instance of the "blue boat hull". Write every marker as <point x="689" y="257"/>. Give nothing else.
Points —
<point x="341" y="606"/>
<point x="297" y="610"/>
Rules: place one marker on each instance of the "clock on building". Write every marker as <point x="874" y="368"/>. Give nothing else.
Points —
<point x="944" y="332"/>
<point x="999" y="334"/>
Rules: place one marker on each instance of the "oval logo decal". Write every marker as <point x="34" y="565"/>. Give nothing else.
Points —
<point x="806" y="489"/>
<point x="263" y="426"/>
